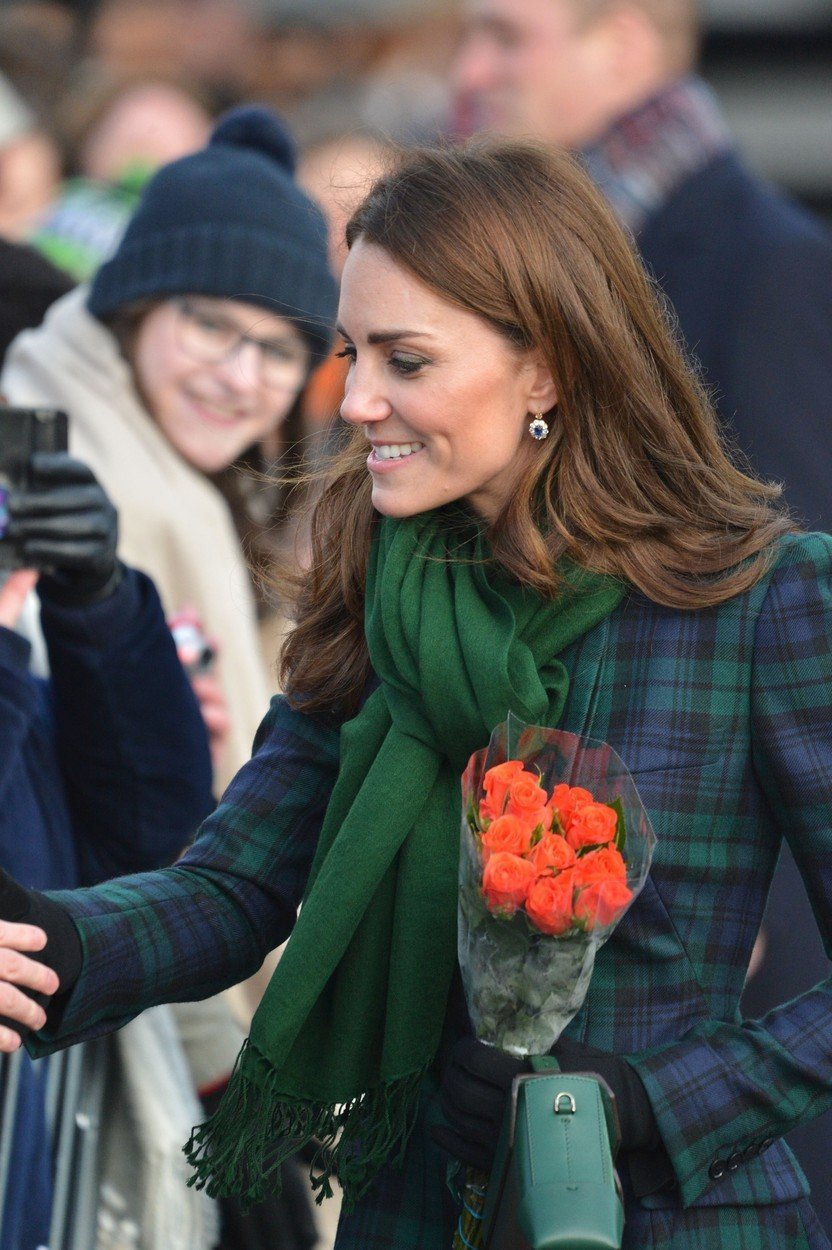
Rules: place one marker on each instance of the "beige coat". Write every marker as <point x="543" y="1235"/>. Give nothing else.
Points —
<point x="173" y="523"/>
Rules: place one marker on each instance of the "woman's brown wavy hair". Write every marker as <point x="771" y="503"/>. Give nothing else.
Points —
<point x="633" y="480"/>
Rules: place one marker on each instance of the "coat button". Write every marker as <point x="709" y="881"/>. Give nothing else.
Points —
<point x="750" y="1152"/>
<point x="766" y="1143"/>
<point x="717" y="1169"/>
<point x="734" y="1161"/>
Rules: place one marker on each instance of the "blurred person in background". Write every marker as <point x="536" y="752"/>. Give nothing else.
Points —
<point x="336" y="170"/>
<point x="104" y="765"/>
<point x="206" y="42"/>
<point x="30" y="166"/>
<point x="117" y="134"/>
<point x="748" y="272"/>
<point x="29" y="285"/>
<point x="383" y="64"/>
<point x="28" y="282"/>
<point x="189" y="351"/>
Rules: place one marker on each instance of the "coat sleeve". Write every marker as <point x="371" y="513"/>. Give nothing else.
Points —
<point x="186" y="932"/>
<point x="725" y="1091"/>
<point x="18" y="703"/>
<point x="131" y="741"/>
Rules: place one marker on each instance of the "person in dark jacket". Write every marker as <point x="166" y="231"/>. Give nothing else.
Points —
<point x="29" y="284"/>
<point x="104" y="765"/>
<point x="748" y="274"/>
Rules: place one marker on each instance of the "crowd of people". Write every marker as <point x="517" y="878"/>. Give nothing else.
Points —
<point x="469" y="370"/>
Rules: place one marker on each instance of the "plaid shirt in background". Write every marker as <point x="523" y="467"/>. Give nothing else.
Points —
<point x="724" y="717"/>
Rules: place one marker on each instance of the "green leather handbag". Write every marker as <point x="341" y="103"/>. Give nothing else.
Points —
<point x="553" y="1185"/>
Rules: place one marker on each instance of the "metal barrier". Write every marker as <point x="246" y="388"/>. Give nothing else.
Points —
<point x="10" y="1066"/>
<point x="75" y="1083"/>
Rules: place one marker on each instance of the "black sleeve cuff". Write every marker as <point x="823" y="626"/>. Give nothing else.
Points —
<point x="77" y="591"/>
<point x="63" y="951"/>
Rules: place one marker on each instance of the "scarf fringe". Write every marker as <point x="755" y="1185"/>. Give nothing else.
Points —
<point x="239" y="1152"/>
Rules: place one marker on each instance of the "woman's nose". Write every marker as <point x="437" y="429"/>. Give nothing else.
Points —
<point x="242" y="368"/>
<point x="364" y="401"/>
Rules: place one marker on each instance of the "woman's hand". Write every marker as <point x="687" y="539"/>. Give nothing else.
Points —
<point x="19" y="973"/>
<point x="13" y="595"/>
<point x="475" y="1087"/>
<point x="65" y="522"/>
<point x="476" y="1083"/>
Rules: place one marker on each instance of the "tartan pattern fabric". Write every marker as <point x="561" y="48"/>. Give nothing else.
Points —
<point x="648" y="154"/>
<point x="724" y="718"/>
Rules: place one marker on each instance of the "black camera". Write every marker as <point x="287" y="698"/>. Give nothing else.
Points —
<point x="23" y="431"/>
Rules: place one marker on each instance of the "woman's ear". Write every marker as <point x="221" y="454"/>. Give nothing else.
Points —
<point x="543" y="393"/>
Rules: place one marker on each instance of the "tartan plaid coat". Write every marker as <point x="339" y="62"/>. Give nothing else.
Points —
<point x="724" y="717"/>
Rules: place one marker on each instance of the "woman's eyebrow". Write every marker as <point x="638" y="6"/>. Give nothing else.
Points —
<point x="243" y="323"/>
<point x="387" y="336"/>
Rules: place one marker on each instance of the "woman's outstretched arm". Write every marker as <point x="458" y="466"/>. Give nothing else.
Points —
<point x="186" y="932"/>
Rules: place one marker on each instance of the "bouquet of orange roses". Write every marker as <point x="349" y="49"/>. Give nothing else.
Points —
<point x="555" y="846"/>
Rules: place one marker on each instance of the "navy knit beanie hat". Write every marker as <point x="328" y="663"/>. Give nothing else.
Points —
<point x="229" y="221"/>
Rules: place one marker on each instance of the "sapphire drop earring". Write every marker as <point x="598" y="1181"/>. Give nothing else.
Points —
<point x="539" y="428"/>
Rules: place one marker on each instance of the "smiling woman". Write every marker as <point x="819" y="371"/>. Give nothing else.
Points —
<point x="212" y="386"/>
<point x="621" y="580"/>
<point x="182" y="367"/>
<point x="406" y="389"/>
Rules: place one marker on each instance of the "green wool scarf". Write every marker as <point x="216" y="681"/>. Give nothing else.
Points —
<point x="352" y="1017"/>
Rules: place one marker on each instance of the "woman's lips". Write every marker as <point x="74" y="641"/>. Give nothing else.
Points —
<point x="376" y="465"/>
<point x="221" y="418"/>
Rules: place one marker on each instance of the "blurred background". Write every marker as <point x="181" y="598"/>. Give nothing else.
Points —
<point x="111" y="88"/>
<point x="770" y="62"/>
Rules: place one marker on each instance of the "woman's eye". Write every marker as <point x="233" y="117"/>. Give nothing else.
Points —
<point x="209" y="324"/>
<point x="279" y="352"/>
<point x="407" y="364"/>
<point x="347" y="354"/>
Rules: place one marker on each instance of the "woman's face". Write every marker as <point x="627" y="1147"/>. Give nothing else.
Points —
<point x="443" y="398"/>
<point x="212" y="392"/>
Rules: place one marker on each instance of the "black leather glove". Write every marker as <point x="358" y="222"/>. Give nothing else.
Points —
<point x="639" y="1130"/>
<point x="475" y="1085"/>
<point x="66" y="524"/>
<point x="62" y="952"/>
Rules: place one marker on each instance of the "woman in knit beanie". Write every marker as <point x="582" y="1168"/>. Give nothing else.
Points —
<point x="181" y="365"/>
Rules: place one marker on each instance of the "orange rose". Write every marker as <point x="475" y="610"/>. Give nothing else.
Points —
<point x="552" y="854"/>
<point x="506" y="882"/>
<point x="506" y="833"/>
<point x="549" y="904"/>
<point x="539" y="820"/>
<point x="592" y="824"/>
<point x="564" y="800"/>
<point x="495" y="783"/>
<point x="601" y="865"/>
<point x="602" y="902"/>
<point x="527" y="798"/>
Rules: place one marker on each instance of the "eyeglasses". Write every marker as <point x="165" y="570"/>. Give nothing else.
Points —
<point x="210" y="338"/>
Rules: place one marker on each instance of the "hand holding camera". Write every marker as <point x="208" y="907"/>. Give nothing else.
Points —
<point x="63" y="523"/>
